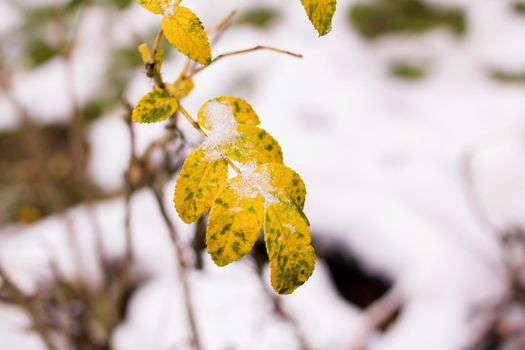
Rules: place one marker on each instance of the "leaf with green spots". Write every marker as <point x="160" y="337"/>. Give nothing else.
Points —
<point x="255" y="145"/>
<point x="241" y="110"/>
<point x="155" y="6"/>
<point x="198" y="184"/>
<point x="155" y="106"/>
<point x="234" y="224"/>
<point x="290" y="185"/>
<point x="184" y="30"/>
<point x="320" y="13"/>
<point x="288" y="243"/>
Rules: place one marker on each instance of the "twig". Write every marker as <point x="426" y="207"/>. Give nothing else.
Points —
<point x="376" y="314"/>
<point x="179" y="250"/>
<point x="27" y="305"/>
<point x="240" y="52"/>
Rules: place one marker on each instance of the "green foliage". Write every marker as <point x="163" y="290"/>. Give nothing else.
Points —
<point x="519" y="7"/>
<point x="507" y="76"/>
<point x="259" y="17"/>
<point x="380" y="17"/>
<point x="407" y="70"/>
<point x="40" y="51"/>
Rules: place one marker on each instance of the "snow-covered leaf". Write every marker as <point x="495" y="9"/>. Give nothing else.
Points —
<point x="198" y="184"/>
<point x="320" y="13"/>
<point x="155" y="106"/>
<point x="241" y="110"/>
<point x="287" y="238"/>
<point x="255" y="145"/>
<point x="234" y="224"/>
<point x="184" y="30"/>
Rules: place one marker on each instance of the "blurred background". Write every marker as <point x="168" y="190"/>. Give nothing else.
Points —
<point x="406" y="122"/>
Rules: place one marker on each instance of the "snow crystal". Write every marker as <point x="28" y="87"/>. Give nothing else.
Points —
<point x="254" y="183"/>
<point x="222" y="127"/>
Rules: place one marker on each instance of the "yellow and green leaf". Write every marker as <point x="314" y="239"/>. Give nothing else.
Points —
<point x="155" y="6"/>
<point x="155" y="106"/>
<point x="184" y="30"/>
<point x="198" y="184"/>
<point x="241" y="110"/>
<point x="255" y="145"/>
<point x="289" y="184"/>
<point x="320" y="13"/>
<point x="234" y="224"/>
<point x="288" y="243"/>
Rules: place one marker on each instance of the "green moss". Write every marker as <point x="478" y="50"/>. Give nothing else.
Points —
<point x="381" y="17"/>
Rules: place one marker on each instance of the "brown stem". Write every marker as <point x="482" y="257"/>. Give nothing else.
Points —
<point x="179" y="250"/>
<point x="239" y="52"/>
<point x="29" y="307"/>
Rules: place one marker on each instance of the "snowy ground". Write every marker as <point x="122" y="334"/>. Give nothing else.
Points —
<point x="380" y="158"/>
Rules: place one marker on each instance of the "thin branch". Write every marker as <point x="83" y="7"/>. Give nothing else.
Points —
<point x="376" y="314"/>
<point x="240" y="52"/>
<point x="29" y="307"/>
<point x="179" y="250"/>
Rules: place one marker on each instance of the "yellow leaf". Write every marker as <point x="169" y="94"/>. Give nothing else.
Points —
<point x="320" y="13"/>
<point x="145" y="53"/>
<point x="234" y="224"/>
<point x="255" y="145"/>
<point x="198" y="184"/>
<point x="155" y="6"/>
<point x="184" y="30"/>
<point x="155" y="106"/>
<point x="182" y="87"/>
<point x="289" y="184"/>
<point x="287" y="238"/>
<point x="242" y="111"/>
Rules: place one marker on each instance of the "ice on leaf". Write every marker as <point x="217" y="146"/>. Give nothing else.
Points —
<point x="320" y="13"/>
<point x="288" y="243"/>
<point x="234" y="224"/>
<point x="156" y="6"/>
<point x="242" y="111"/>
<point x="198" y="184"/>
<point x="155" y="106"/>
<point x="184" y="30"/>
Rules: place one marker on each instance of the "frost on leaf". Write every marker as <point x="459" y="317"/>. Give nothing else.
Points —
<point x="320" y="13"/>
<point x="255" y="145"/>
<point x="155" y="6"/>
<point x="184" y="30"/>
<point x="287" y="238"/>
<point x="234" y="224"/>
<point x="155" y="106"/>
<point x="242" y="111"/>
<point x="198" y="184"/>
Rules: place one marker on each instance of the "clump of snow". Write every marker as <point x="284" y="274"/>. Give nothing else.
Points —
<point x="169" y="8"/>
<point x="254" y="182"/>
<point x="223" y="130"/>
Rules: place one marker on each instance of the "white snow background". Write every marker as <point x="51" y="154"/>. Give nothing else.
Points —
<point x="380" y="158"/>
